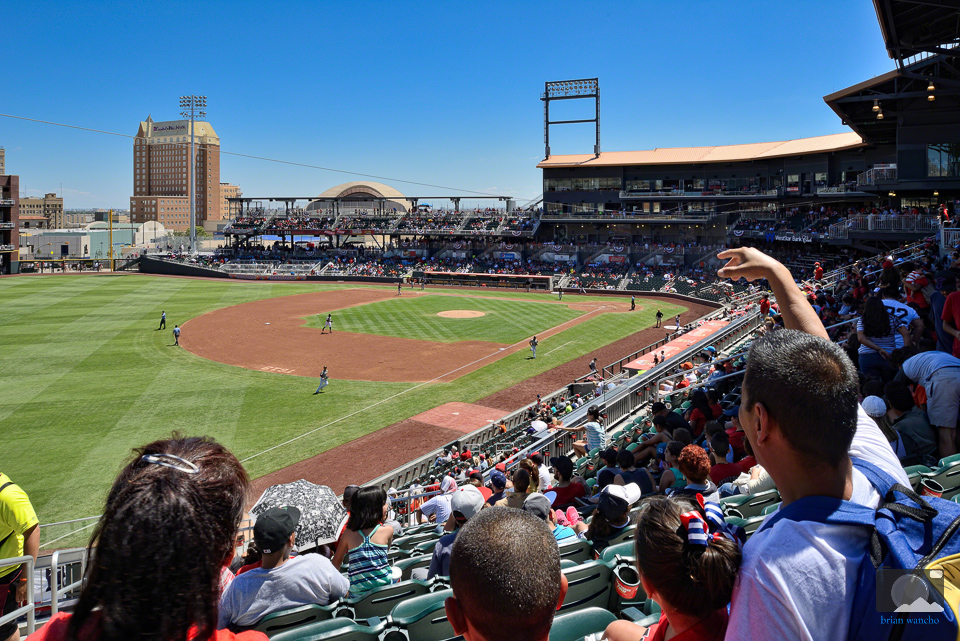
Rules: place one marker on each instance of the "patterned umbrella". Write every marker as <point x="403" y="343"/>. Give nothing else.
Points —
<point x="321" y="514"/>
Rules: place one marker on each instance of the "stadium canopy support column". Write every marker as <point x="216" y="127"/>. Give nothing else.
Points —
<point x="456" y="204"/>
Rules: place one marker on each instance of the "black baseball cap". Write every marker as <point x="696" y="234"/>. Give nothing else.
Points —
<point x="563" y="465"/>
<point x="274" y="527"/>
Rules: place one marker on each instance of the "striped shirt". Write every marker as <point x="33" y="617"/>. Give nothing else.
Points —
<point x="368" y="566"/>
<point x="888" y="342"/>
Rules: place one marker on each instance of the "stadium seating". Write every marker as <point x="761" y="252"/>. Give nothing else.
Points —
<point x="423" y="618"/>
<point x="749" y="505"/>
<point x="379" y="601"/>
<point x="277" y="622"/>
<point x="589" y="585"/>
<point x="577" y="625"/>
<point x="333" y="630"/>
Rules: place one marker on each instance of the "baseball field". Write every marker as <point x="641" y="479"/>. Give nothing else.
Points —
<point x="85" y="374"/>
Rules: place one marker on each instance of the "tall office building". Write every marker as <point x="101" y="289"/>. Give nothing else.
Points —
<point x="161" y="174"/>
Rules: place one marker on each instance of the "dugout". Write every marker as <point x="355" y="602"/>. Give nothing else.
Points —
<point x="509" y="281"/>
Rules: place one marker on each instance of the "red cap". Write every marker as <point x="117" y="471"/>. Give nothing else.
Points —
<point x="501" y="467"/>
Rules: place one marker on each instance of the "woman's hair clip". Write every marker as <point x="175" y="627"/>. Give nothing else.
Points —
<point x="172" y="461"/>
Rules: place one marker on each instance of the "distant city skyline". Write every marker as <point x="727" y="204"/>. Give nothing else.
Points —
<point x="445" y="95"/>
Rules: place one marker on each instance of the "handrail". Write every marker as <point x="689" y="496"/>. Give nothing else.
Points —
<point x="30" y="608"/>
<point x="55" y="588"/>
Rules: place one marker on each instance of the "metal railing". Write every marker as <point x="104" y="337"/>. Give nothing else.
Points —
<point x="877" y="175"/>
<point x="30" y="609"/>
<point x="884" y="223"/>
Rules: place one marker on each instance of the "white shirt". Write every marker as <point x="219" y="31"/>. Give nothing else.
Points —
<point x="797" y="578"/>
<point x="901" y="311"/>
<point x="546" y="480"/>
<point x="538" y="425"/>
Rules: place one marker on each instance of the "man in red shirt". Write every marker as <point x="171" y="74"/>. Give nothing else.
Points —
<point x="951" y="319"/>
<point x="913" y="283"/>
<point x="764" y="305"/>
<point x="817" y="271"/>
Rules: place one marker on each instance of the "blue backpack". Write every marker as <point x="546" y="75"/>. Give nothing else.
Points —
<point x="910" y="532"/>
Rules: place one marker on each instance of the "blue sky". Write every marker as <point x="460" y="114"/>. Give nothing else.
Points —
<point x="440" y="93"/>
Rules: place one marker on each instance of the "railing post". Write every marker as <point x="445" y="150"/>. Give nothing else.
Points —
<point x="30" y="608"/>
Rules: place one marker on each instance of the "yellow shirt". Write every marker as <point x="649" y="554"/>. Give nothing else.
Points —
<point x="16" y="517"/>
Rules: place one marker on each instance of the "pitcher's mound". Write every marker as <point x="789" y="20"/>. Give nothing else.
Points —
<point x="461" y="313"/>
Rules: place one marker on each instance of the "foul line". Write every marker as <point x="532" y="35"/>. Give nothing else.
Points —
<point x="556" y="348"/>
<point x="410" y="389"/>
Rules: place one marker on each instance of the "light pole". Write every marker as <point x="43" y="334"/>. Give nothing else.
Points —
<point x="191" y="108"/>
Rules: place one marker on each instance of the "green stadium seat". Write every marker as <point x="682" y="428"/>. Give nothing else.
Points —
<point x="423" y="618"/>
<point x="589" y="585"/>
<point x="949" y="477"/>
<point x="408" y="565"/>
<point x="947" y="460"/>
<point x="624" y="550"/>
<point x="771" y="508"/>
<point x="579" y="550"/>
<point x="956" y="498"/>
<point x="576" y="625"/>
<point x="410" y="542"/>
<point x="332" y="630"/>
<point x="749" y="525"/>
<point x="567" y="563"/>
<point x="379" y="602"/>
<point x="629" y="534"/>
<point x="277" y="622"/>
<point x="915" y="472"/>
<point x="751" y="504"/>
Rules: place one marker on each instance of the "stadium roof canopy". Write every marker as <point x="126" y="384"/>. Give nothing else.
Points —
<point x="897" y="93"/>
<point x="918" y="27"/>
<point x="724" y="153"/>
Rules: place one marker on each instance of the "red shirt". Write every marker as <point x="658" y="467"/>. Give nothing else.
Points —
<point x="567" y="494"/>
<point x="951" y="313"/>
<point x="722" y="471"/>
<point x="257" y="564"/>
<point x="735" y="438"/>
<point x="818" y="272"/>
<point x="746" y="463"/>
<point x="764" y="306"/>
<point x="56" y="630"/>
<point x="919" y="280"/>
<point x="710" y="629"/>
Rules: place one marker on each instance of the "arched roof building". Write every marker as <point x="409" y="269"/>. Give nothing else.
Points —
<point x="364" y="194"/>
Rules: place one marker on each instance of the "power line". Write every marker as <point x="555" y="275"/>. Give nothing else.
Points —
<point x="264" y="158"/>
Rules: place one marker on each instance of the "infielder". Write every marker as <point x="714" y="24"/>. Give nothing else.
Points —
<point x="533" y="346"/>
<point x="323" y="380"/>
<point x="328" y="325"/>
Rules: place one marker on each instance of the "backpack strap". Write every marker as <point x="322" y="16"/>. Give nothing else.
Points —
<point x="2" y="488"/>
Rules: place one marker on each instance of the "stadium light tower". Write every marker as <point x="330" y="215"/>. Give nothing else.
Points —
<point x="191" y="108"/>
<point x="570" y="90"/>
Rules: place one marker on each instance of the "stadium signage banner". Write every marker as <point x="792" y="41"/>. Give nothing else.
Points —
<point x="791" y="238"/>
<point x="509" y="256"/>
<point x="564" y="258"/>
<point x="616" y="259"/>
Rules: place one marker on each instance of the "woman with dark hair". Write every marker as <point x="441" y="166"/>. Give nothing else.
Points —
<point x="688" y="565"/>
<point x="158" y="551"/>
<point x="700" y="412"/>
<point x="876" y="331"/>
<point x="672" y="478"/>
<point x="365" y="542"/>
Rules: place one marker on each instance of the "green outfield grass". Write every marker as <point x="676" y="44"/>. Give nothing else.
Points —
<point x="505" y="321"/>
<point x="84" y="377"/>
